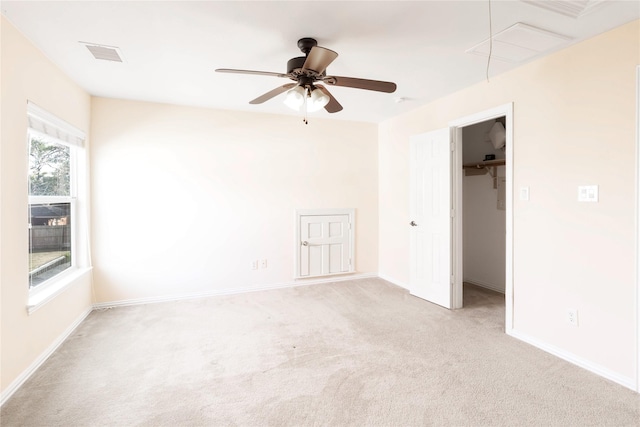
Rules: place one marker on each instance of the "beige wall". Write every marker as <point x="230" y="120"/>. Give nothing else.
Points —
<point x="185" y="198"/>
<point x="574" y="124"/>
<point x="27" y="75"/>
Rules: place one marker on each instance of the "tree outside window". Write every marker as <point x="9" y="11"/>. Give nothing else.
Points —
<point x="49" y="169"/>
<point x="50" y="209"/>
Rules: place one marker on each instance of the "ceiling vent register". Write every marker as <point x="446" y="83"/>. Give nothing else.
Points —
<point x="107" y="53"/>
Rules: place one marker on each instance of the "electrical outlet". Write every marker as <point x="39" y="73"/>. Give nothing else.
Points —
<point x="254" y="265"/>
<point x="572" y="316"/>
<point x="588" y="193"/>
<point x="263" y="263"/>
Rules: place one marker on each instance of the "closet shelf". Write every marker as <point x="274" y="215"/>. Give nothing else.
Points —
<point x="481" y="168"/>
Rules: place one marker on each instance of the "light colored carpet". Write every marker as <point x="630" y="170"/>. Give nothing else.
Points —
<point x="360" y="353"/>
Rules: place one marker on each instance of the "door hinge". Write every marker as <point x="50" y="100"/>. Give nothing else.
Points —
<point x="349" y="226"/>
<point x="453" y="146"/>
<point x="453" y="213"/>
<point x="453" y="280"/>
<point x="349" y="262"/>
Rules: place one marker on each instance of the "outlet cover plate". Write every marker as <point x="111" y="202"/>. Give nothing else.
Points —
<point x="572" y="316"/>
<point x="588" y="193"/>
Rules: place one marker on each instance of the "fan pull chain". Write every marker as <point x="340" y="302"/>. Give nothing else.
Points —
<point x="305" y="118"/>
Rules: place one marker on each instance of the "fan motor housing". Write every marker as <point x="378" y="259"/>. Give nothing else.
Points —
<point x="295" y="63"/>
<point x="296" y="72"/>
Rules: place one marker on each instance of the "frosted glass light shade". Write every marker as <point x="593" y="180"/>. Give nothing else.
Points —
<point x="316" y="100"/>
<point x="294" y="98"/>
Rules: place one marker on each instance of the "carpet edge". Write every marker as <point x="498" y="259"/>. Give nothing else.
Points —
<point x="26" y="374"/>
<point x="628" y="382"/>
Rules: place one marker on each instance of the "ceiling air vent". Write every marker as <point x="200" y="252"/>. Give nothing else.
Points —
<point x="107" y="53"/>
<point x="572" y="8"/>
<point x="520" y="42"/>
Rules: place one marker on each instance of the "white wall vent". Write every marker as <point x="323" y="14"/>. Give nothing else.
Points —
<point x="572" y="8"/>
<point x="107" y="53"/>
<point x="520" y="42"/>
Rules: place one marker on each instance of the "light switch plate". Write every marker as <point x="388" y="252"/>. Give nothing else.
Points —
<point x="524" y="193"/>
<point x="588" y="193"/>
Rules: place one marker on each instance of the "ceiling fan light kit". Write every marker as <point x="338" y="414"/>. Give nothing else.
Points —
<point x="316" y="99"/>
<point x="306" y="95"/>
<point x="294" y="98"/>
<point x="310" y="97"/>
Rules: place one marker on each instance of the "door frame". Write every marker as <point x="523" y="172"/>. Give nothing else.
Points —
<point x="637" y="225"/>
<point x="456" y="126"/>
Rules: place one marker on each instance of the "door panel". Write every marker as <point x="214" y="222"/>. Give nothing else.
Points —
<point x="325" y="245"/>
<point x="431" y="271"/>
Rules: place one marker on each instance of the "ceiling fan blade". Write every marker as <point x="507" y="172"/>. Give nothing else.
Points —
<point x="332" y="106"/>
<point x="259" y="73"/>
<point x="319" y="59"/>
<point x="377" y="85"/>
<point x="277" y="91"/>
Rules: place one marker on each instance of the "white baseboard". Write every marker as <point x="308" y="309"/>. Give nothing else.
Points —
<point x="485" y="285"/>
<point x="628" y="382"/>
<point x="292" y="284"/>
<point x="398" y="283"/>
<point x="24" y="376"/>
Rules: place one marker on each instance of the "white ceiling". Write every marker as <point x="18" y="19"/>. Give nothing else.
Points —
<point x="171" y="48"/>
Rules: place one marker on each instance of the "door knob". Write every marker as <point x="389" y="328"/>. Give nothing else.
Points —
<point x="413" y="223"/>
<point x="305" y="243"/>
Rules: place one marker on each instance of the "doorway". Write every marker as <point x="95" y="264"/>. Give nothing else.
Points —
<point x="483" y="216"/>
<point x="437" y="255"/>
<point x="484" y="208"/>
<point x="503" y="182"/>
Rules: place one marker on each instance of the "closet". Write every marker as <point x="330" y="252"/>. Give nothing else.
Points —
<point x="484" y="219"/>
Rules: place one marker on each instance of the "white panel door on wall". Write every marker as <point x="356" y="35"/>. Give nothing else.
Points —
<point x="325" y="242"/>
<point x="431" y="267"/>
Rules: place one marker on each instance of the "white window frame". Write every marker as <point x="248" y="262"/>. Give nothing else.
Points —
<point x="45" y="126"/>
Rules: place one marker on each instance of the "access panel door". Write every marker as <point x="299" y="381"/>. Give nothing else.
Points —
<point x="325" y="244"/>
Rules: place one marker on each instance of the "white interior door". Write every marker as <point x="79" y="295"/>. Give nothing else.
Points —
<point x="325" y="243"/>
<point x="431" y="217"/>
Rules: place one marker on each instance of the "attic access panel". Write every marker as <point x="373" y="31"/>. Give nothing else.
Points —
<point x="520" y="42"/>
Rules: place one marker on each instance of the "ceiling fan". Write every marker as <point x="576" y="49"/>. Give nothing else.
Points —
<point x="306" y="71"/>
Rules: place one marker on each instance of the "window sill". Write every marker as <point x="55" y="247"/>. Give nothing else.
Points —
<point x="39" y="298"/>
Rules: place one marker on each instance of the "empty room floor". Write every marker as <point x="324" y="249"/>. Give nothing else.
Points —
<point x="361" y="352"/>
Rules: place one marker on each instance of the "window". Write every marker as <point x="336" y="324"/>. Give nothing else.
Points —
<point x="54" y="146"/>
